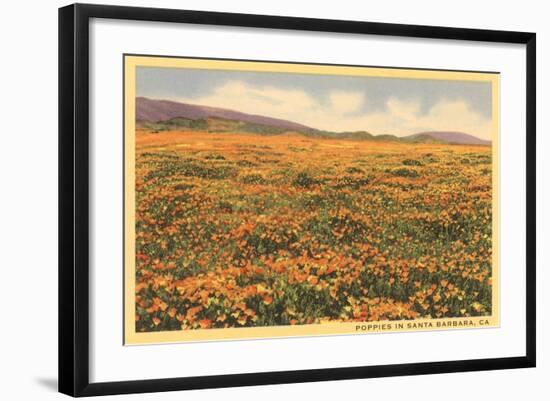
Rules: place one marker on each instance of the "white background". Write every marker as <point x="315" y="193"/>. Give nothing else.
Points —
<point x="28" y="166"/>
<point x="110" y="361"/>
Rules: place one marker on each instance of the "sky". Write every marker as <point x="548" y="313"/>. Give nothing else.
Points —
<point x="336" y="103"/>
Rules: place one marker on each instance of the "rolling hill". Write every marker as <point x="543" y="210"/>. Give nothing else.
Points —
<point x="152" y="110"/>
<point x="165" y="115"/>
<point x="459" y="138"/>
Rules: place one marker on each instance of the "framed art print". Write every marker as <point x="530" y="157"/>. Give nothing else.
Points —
<point x="243" y="191"/>
<point x="247" y="224"/>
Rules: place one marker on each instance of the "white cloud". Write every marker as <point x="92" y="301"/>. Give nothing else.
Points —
<point x="265" y="100"/>
<point x="405" y="111"/>
<point x="404" y="118"/>
<point x="346" y="102"/>
<point x="341" y="111"/>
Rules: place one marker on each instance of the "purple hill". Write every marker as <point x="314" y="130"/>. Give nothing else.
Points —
<point x="162" y="110"/>
<point x="460" y="138"/>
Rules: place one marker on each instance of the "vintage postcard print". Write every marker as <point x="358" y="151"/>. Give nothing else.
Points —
<point x="269" y="199"/>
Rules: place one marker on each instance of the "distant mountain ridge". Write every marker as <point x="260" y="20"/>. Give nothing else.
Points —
<point x="161" y="115"/>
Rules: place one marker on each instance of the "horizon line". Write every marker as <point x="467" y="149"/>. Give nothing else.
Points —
<point x="305" y="125"/>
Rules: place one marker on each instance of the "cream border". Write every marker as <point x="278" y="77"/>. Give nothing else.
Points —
<point x="130" y="335"/>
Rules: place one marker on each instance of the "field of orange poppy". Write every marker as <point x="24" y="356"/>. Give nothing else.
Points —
<point x="240" y="230"/>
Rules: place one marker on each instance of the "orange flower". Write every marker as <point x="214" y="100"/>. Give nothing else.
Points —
<point x="205" y="323"/>
<point x="312" y="280"/>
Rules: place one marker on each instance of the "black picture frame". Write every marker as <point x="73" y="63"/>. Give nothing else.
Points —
<point x="74" y="194"/>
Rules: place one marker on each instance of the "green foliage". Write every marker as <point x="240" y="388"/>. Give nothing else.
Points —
<point x="304" y="180"/>
<point x="255" y="179"/>
<point x="405" y="172"/>
<point x="412" y="162"/>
